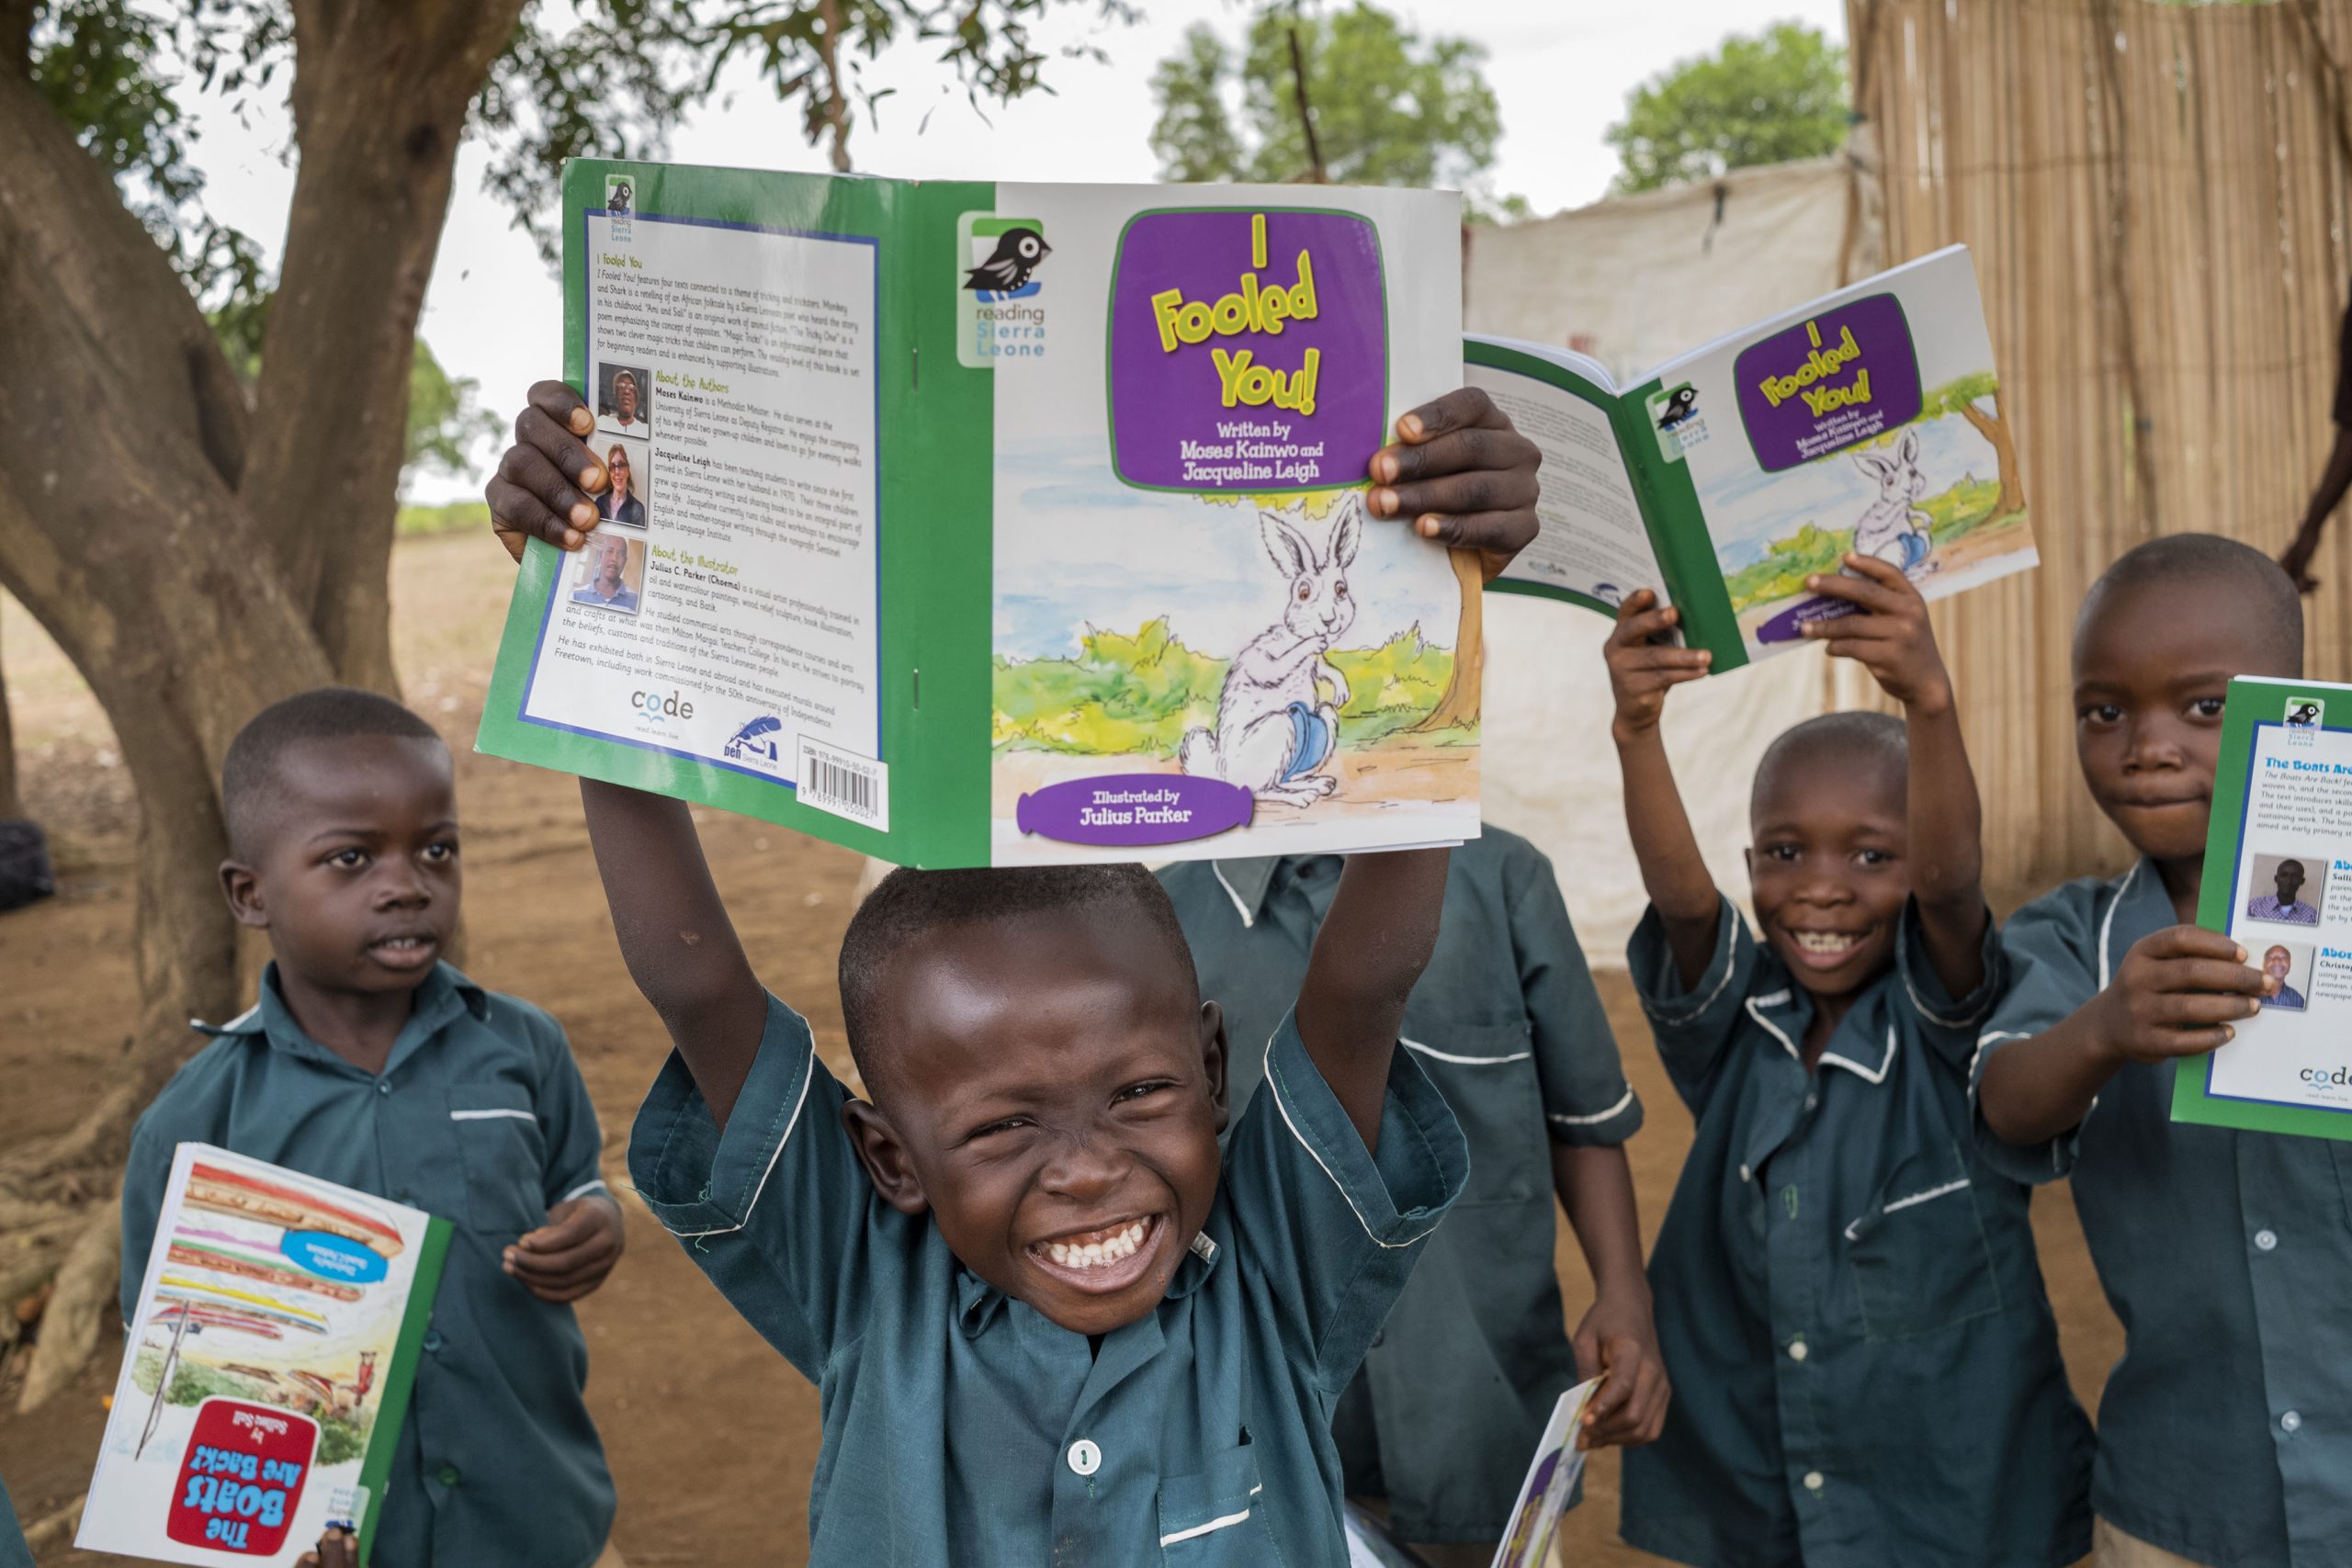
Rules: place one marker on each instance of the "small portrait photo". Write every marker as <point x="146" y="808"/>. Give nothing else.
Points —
<point x="632" y="464"/>
<point x="2287" y="889"/>
<point x="2288" y="962"/>
<point x="625" y="399"/>
<point x="609" y="572"/>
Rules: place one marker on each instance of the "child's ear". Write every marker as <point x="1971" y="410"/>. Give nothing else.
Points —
<point x="1214" y="1051"/>
<point x="1748" y="855"/>
<point x="242" y="887"/>
<point x="884" y="1155"/>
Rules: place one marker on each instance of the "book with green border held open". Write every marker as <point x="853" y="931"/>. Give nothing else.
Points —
<point x="979" y="524"/>
<point x="2282" y="790"/>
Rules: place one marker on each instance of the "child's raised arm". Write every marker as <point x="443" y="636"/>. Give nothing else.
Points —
<point x="1368" y="956"/>
<point x="1944" y="830"/>
<point x="676" y="936"/>
<point x="1641" y="670"/>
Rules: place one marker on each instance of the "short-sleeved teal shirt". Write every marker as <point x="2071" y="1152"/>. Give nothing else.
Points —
<point x="13" y="1551"/>
<point x="1865" y="1365"/>
<point x="479" y="1117"/>
<point x="1459" y="1382"/>
<point x="2225" y="1431"/>
<point x="961" y="1427"/>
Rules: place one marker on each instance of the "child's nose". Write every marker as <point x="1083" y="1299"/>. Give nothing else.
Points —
<point x="1083" y="1169"/>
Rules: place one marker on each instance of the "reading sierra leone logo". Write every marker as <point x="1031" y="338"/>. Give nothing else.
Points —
<point x="621" y="206"/>
<point x="998" y="314"/>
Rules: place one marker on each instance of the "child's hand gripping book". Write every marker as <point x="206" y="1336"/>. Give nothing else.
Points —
<point x="2277" y="879"/>
<point x="268" y="1369"/>
<point x="1868" y="421"/>
<point x="973" y="524"/>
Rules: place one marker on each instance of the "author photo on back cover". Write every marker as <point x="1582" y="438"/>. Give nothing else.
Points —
<point x="2287" y="889"/>
<point x="2291" y="965"/>
<point x="610" y="573"/>
<point x="624" y="399"/>
<point x="630" y="464"/>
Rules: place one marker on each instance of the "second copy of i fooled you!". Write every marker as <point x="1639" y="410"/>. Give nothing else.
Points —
<point x="1869" y="421"/>
<point x="989" y="523"/>
<point x="267" y="1367"/>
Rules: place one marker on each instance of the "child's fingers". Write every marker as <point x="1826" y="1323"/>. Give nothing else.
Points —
<point x="1872" y="596"/>
<point x="529" y="469"/>
<point x="1457" y="409"/>
<point x="1881" y="571"/>
<point x="517" y="514"/>
<point x="2195" y="977"/>
<point x="2191" y="941"/>
<point x="1510" y="491"/>
<point x="578" y="465"/>
<point x="1637" y="624"/>
<point x="2199" y="1010"/>
<point x="1463" y="451"/>
<point x="561" y="404"/>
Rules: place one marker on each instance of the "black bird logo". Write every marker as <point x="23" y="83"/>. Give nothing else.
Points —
<point x="1678" y="407"/>
<point x="1017" y="253"/>
<point x="619" y="199"/>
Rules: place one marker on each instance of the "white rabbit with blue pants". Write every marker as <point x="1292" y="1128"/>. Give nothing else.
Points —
<point x="1274" y="731"/>
<point x="1894" y="529"/>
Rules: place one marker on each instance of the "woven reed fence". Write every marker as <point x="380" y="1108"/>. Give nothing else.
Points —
<point x="2157" y="196"/>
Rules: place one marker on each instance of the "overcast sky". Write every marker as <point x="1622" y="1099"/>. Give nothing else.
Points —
<point x="1561" y="71"/>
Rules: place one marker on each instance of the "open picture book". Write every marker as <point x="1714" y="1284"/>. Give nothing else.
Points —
<point x="266" y="1370"/>
<point x="971" y="524"/>
<point x="1869" y="421"/>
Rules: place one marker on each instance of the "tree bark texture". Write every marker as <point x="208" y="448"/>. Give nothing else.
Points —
<point x="195" y="557"/>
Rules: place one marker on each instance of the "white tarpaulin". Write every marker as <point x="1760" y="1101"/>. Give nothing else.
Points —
<point x="1631" y="282"/>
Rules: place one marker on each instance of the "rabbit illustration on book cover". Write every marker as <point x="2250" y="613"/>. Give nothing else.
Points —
<point x="1274" y="730"/>
<point x="1894" y="529"/>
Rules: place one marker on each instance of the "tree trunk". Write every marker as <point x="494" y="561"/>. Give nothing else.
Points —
<point x="380" y="94"/>
<point x="1460" y="705"/>
<point x="1994" y="428"/>
<point x="829" y="52"/>
<point x="12" y="801"/>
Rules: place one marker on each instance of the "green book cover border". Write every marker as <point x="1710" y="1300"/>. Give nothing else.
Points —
<point x="393" y="1409"/>
<point x="1686" y="550"/>
<point x="859" y="208"/>
<point x="2254" y="704"/>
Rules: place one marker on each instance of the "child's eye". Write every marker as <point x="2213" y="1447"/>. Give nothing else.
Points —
<point x="1780" y="851"/>
<point x="441" y="853"/>
<point x="1875" y="857"/>
<point x="1137" y="1091"/>
<point x="1009" y="1124"/>
<point x="346" y="860"/>
<point x="2207" y="707"/>
<point x="2102" y="713"/>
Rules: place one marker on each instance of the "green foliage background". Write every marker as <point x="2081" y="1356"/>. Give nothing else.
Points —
<point x="1137" y="695"/>
<point x="1779" y="96"/>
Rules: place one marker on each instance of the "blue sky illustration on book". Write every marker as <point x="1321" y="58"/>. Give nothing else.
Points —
<point x="1115" y="557"/>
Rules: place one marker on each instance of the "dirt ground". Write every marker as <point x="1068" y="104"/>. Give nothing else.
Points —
<point x="711" y="1436"/>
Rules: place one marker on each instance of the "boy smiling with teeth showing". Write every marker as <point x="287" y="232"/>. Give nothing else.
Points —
<point x="1865" y="1366"/>
<point x="1047" y="1323"/>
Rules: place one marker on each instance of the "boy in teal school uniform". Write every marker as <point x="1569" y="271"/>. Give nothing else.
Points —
<point x="2225" y="1431"/>
<point x="1046" y="1320"/>
<point x="369" y="1061"/>
<point x="1865" y="1364"/>
<point x="1459" y="1382"/>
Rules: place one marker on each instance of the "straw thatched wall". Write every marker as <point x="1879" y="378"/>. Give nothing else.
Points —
<point x="2157" y="199"/>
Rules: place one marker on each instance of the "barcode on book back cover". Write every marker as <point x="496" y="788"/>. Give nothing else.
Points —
<point x="844" y="783"/>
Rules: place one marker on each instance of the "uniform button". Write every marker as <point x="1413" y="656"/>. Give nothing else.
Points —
<point x="1378" y="1335"/>
<point x="2291" y="1422"/>
<point x="2265" y="1239"/>
<point x="433" y="1339"/>
<point x="1084" y="1457"/>
<point x="1797" y="1352"/>
<point x="449" y="1475"/>
<point x="1812" y="1102"/>
<point x="1815" y="1481"/>
<point x="383" y="1086"/>
<point x="1744" y="1173"/>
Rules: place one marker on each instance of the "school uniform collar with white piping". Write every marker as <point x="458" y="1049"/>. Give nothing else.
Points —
<point x="445" y="994"/>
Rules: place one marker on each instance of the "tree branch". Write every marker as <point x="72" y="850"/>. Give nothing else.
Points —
<point x="1305" y="110"/>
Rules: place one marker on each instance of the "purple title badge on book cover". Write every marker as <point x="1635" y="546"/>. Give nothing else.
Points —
<point x="1834" y="380"/>
<point x="1249" y="350"/>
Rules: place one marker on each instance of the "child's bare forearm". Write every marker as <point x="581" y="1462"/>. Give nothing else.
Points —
<point x="1674" y="873"/>
<point x="2034" y="1090"/>
<point x="1596" y="1190"/>
<point x="675" y="937"/>
<point x="1946" y="832"/>
<point x="1372" y="949"/>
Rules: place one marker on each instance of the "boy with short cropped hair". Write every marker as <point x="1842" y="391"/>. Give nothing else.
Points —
<point x="1865" y="1365"/>
<point x="370" y="1062"/>
<point x="1046" y="1322"/>
<point x="2225" y="1431"/>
